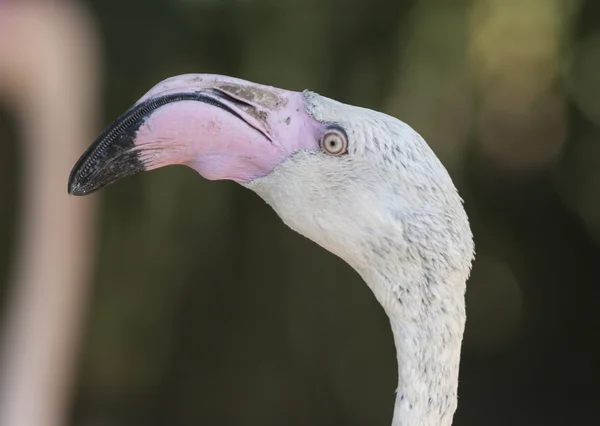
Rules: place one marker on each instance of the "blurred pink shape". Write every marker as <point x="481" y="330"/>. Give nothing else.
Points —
<point x="49" y="75"/>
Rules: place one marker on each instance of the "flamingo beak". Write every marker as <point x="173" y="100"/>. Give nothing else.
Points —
<point x="222" y="127"/>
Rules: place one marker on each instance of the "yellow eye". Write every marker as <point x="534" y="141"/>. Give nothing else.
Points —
<point x="334" y="142"/>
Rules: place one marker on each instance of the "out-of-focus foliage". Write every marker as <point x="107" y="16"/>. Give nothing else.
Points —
<point x="208" y="310"/>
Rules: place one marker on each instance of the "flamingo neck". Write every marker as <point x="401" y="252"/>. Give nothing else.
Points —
<point x="427" y="321"/>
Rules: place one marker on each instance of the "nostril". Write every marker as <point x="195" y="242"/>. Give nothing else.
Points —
<point x="226" y="96"/>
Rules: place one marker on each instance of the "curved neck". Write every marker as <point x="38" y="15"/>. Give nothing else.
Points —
<point x="427" y="377"/>
<point x="427" y="320"/>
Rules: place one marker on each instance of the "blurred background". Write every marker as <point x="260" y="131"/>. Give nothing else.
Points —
<point x="170" y="300"/>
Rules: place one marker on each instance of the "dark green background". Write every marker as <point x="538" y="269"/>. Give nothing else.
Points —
<point x="207" y="310"/>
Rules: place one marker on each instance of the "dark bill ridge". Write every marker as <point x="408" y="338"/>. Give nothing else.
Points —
<point x="110" y="157"/>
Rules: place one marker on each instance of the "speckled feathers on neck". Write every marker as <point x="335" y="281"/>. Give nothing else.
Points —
<point x="389" y="209"/>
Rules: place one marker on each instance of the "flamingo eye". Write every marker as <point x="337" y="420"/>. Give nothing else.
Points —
<point x="334" y="142"/>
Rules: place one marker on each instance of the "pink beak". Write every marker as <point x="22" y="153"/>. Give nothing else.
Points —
<point x="222" y="127"/>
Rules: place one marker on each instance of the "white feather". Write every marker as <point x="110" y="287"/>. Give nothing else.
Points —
<point x="390" y="210"/>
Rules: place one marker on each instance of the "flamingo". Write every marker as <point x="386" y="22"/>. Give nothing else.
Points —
<point x="360" y="183"/>
<point x="49" y="77"/>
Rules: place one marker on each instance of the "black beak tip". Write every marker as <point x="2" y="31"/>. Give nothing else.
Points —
<point x="105" y="172"/>
<point x="72" y="186"/>
<point x="77" y="185"/>
<point x="75" y="189"/>
<point x="112" y="156"/>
